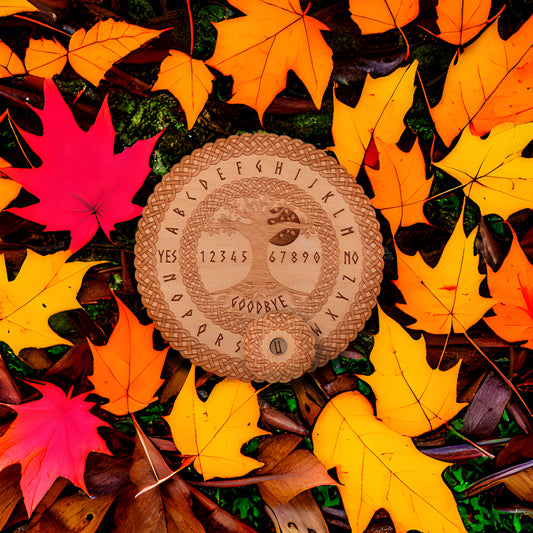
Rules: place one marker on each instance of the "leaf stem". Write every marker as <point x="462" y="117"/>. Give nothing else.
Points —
<point x="189" y="10"/>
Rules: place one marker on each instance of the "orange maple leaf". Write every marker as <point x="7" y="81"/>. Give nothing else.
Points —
<point x="260" y="48"/>
<point x="188" y="79"/>
<point x="10" y="63"/>
<point x="399" y="184"/>
<point x="446" y="297"/>
<point x="459" y="21"/>
<point x="512" y="286"/>
<point x="487" y="84"/>
<point x="378" y="16"/>
<point x="127" y="369"/>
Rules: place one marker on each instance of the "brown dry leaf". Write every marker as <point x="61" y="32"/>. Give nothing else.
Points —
<point x="378" y="468"/>
<point x="459" y="21"/>
<point x="411" y="397"/>
<point x="518" y="450"/>
<point x="487" y="84"/>
<point x="188" y="79"/>
<point x="92" y="53"/>
<point x="300" y="514"/>
<point x="379" y="114"/>
<point x="77" y="513"/>
<point x="399" y="184"/>
<point x="11" y="493"/>
<point x="10" y="63"/>
<point x="45" y="57"/>
<point x="127" y="370"/>
<point x="300" y="468"/>
<point x="378" y="16"/>
<point x="446" y="297"/>
<point x="259" y="49"/>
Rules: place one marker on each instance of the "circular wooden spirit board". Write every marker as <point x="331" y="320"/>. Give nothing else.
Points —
<point x="259" y="257"/>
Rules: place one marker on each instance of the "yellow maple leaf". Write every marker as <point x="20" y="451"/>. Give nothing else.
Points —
<point x="379" y="113"/>
<point x="10" y="7"/>
<point x="446" y="297"/>
<point x="378" y="468"/>
<point x="378" y="16"/>
<point x="459" y="21"/>
<point x="492" y="169"/>
<point x="127" y="370"/>
<point x="92" y="53"/>
<point x="411" y="397"/>
<point x="9" y="189"/>
<point x="399" y="184"/>
<point x="10" y="63"/>
<point x="215" y="430"/>
<point x="188" y="79"/>
<point x="488" y="83"/>
<point x="260" y="48"/>
<point x="45" y="57"/>
<point x="45" y="285"/>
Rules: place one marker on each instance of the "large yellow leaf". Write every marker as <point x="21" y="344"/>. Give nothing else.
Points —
<point x="214" y="431"/>
<point x="512" y="286"/>
<point x="399" y="184"/>
<point x="10" y="7"/>
<point x="411" y="397"/>
<point x="494" y="173"/>
<point x="378" y="468"/>
<point x="45" y="57"/>
<point x="379" y="113"/>
<point x="45" y="285"/>
<point x="445" y="297"/>
<point x="127" y="370"/>
<point x="10" y="63"/>
<point x="377" y="16"/>
<point x="188" y="79"/>
<point x="260" y="48"/>
<point x="459" y="21"/>
<point x="92" y="53"/>
<point x="490" y="82"/>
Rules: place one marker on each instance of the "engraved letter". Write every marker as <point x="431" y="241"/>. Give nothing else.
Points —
<point x="219" y="338"/>
<point x="173" y="230"/>
<point x="169" y="277"/>
<point x="177" y="297"/>
<point x="329" y="194"/>
<point x="279" y="166"/>
<point x="239" y="166"/>
<point x="179" y="211"/>
<point x="220" y="175"/>
<point x="346" y="231"/>
<point x="316" y="330"/>
<point x="201" y="329"/>
<point x="203" y="183"/>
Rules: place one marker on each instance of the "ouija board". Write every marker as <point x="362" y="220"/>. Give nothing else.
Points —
<point x="259" y="257"/>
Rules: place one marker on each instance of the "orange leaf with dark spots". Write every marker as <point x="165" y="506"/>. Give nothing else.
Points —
<point x="127" y="370"/>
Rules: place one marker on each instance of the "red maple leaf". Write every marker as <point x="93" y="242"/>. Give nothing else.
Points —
<point x="82" y="184"/>
<point x="51" y="437"/>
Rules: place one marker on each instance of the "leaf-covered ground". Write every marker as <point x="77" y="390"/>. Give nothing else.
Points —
<point x="424" y="422"/>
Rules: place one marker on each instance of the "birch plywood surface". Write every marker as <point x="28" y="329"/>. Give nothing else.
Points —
<point x="259" y="237"/>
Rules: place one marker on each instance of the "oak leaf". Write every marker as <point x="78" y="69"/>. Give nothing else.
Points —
<point x="459" y="21"/>
<point x="487" y="84"/>
<point x="512" y="286"/>
<point x="378" y="16"/>
<point x="446" y="297"/>
<point x="214" y="431"/>
<point x="188" y="79"/>
<point x="10" y="7"/>
<point x="92" y="53"/>
<point x="379" y="113"/>
<point x="378" y="468"/>
<point x="45" y="285"/>
<point x="82" y="184"/>
<point x="399" y="184"/>
<point x="411" y="397"/>
<point x="127" y="369"/>
<point x="51" y="437"/>
<point x="492" y="169"/>
<point x="45" y="57"/>
<point x="260" y="48"/>
<point x="10" y="63"/>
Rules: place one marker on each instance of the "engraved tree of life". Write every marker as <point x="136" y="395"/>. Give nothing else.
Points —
<point x="262" y="220"/>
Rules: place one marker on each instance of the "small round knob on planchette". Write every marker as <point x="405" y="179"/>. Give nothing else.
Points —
<point x="278" y="346"/>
